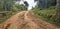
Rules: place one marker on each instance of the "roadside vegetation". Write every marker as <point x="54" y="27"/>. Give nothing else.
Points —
<point x="47" y="10"/>
<point x="47" y="14"/>
<point x="11" y="8"/>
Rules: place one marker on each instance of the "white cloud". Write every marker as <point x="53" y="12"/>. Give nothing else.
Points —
<point x="31" y="3"/>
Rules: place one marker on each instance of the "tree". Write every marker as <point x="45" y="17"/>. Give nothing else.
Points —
<point x="8" y="4"/>
<point x="0" y="4"/>
<point x="16" y="0"/>
<point x="58" y="11"/>
<point x="35" y="0"/>
<point x="26" y="4"/>
<point x="22" y="7"/>
<point x="45" y="3"/>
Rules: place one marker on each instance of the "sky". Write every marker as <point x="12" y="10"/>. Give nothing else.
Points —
<point x="30" y="2"/>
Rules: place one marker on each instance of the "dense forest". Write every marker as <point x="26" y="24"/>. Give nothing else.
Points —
<point x="47" y="10"/>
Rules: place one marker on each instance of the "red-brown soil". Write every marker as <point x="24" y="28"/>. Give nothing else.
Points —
<point x="25" y="20"/>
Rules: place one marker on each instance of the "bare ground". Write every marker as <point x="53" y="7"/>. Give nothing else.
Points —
<point x="26" y="20"/>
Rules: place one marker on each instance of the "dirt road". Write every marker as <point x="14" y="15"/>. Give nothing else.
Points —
<point x="25" y="20"/>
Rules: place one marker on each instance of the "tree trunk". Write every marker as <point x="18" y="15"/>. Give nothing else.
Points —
<point x="58" y="10"/>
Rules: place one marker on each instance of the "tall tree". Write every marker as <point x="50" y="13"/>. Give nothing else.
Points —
<point x="26" y="4"/>
<point x="1" y="4"/>
<point x="58" y="11"/>
<point x="45" y="3"/>
<point x="8" y="4"/>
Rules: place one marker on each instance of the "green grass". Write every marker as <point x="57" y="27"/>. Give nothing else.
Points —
<point x="3" y="18"/>
<point x="8" y="15"/>
<point x="47" y="14"/>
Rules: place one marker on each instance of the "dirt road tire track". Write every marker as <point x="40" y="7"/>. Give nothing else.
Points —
<point x="14" y="20"/>
<point x="25" y="20"/>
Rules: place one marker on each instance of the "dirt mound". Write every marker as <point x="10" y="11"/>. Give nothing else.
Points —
<point x="25" y="20"/>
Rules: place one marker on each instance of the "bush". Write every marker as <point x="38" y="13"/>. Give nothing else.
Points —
<point x="47" y="14"/>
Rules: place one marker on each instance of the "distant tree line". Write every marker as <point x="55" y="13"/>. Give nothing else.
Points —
<point x="45" y="3"/>
<point x="8" y="5"/>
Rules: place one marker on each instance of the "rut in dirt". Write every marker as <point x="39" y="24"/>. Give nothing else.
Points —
<point x="25" y="20"/>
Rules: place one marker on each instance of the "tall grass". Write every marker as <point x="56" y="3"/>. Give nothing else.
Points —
<point x="47" y="14"/>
